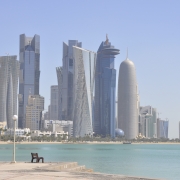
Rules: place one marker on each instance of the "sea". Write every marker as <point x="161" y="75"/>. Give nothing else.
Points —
<point x="144" y="160"/>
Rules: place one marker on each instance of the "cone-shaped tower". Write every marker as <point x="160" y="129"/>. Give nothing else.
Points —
<point x="128" y="106"/>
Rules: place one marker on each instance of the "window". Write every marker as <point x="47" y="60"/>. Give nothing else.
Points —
<point x="70" y="62"/>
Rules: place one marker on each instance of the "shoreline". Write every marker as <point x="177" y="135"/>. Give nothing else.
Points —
<point x="95" y="142"/>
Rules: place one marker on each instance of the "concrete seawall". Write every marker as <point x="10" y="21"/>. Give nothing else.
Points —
<point x="48" y="171"/>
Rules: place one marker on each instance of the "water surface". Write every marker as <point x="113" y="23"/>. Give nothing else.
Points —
<point x="147" y="160"/>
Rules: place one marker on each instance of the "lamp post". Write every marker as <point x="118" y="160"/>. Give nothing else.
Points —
<point x="15" y="117"/>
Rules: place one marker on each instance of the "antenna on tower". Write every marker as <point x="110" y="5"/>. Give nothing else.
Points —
<point x="107" y="40"/>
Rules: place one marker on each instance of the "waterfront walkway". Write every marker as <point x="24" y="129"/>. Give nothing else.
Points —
<point x="53" y="171"/>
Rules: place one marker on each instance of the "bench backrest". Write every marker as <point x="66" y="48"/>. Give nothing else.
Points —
<point x="34" y="155"/>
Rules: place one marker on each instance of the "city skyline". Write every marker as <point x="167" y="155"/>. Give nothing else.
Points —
<point x="152" y="39"/>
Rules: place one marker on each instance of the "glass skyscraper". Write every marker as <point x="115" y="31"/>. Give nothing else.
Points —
<point x="162" y="128"/>
<point x="67" y="84"/>
<point x="54" y="102"/>
<point x="59" y="72"/>
<point x="105" y="85"/>
<point x="29" y="72"/>
<point x="9" y="73"/>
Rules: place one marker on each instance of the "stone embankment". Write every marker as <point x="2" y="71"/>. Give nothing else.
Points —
<point x="53" y="171"/>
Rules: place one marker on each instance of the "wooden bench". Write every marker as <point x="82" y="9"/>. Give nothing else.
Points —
<point x="35" y="156"/>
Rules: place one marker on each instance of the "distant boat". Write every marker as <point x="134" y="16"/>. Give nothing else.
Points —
<point x="127" y="142"/>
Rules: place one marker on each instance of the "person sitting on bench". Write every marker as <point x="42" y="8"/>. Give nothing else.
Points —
<point x="35" y="156"/>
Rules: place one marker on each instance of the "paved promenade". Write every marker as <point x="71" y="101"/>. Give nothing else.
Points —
<point x="53" y="171"/>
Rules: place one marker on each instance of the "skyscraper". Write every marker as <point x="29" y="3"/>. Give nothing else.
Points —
<point x="179" y="129"/>
<point x="105" y="85"/>
<point x="67" y="85"/>
<point x="128" y="105"/>
<point x="59" y="71"/>
<point x="83" y="91"/>
<point x="29" y="53"/>
<point x="9" y="73"/>
<point x="54" y="103"/>
<point x="162" y="128"/>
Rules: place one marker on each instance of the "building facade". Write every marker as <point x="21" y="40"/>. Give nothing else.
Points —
<point x="105" y="89"/>
<point x="54" y="102"/>
<point x="34" y="110"/>
<point x="162" y="128"/>
<point x="59" y="125"/>
<point x="18" y="132"/>
<point x="179" y="129"/>
<point x="59" y="71"/>
<point x="83" y="91"/>
<point x="67" y="85"/>
<point x="9" y="73"/>
<point x="148" y="122"/>
<point x="29" y="53"/>
<point x="128" y="100"/>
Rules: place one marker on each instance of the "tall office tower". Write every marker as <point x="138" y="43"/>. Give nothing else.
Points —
<point x="67" y="89"/>
<point x="83" y="92"/>
<point x="9" y="73"/>
<point x="59" y="71"/>
<point x="148" y="121"/>
<point x="162" y="128"/>
<point x="179" y="129"/>
<point x="29" y="72"/>
<point x="54" y="102"/>
<point x="105" y="85"/>
<point x="34" y="110"/>
<point x="128" y="101"/>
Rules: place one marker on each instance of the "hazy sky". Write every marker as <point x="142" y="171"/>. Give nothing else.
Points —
<point x="150" y="29"/>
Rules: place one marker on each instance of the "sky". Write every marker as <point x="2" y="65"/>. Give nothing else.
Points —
<point x="149" y="29"/>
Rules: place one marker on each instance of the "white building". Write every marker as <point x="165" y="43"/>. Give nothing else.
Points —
<point x="38" y="133"/>
<point x="3" y="125"/>
<point x="18" y="132"/>
<point x="83" y="91"/>
<point x="34" y="112"/>
<point x="148" y="122"/>
<point x="59" y="125"/>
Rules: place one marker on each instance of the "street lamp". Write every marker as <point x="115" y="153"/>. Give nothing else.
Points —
<point x="15" y="117"/>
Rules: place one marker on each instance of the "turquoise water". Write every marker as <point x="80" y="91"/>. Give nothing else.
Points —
<point x="147" y="160"/>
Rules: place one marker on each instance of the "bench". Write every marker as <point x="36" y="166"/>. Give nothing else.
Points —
<point x="35" y="156"/>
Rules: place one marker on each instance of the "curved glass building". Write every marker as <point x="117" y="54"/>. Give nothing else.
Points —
<point x="9" y="73"/>
<point x="83" y="91"/>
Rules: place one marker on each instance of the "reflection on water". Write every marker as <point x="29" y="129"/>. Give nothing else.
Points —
<point x="155" y="161"/>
